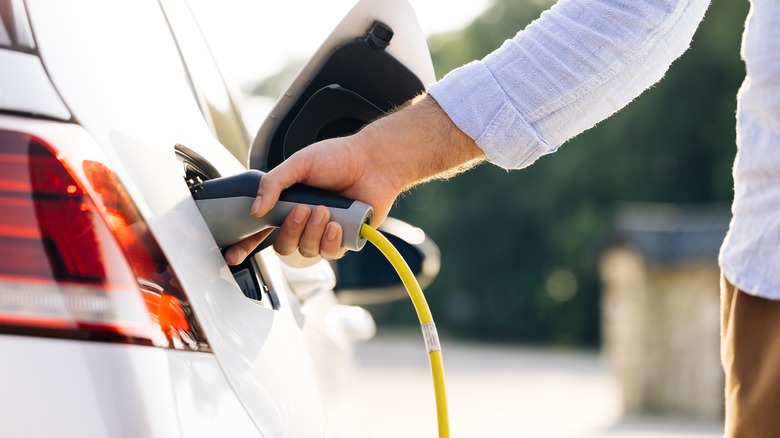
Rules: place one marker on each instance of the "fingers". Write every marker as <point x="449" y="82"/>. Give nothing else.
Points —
<point x="311" y="233"/>
<point x="308" y="231"/>
<point x="330" y="245"/>
<point x="238" y="252"/>
<point x="290" y="232"/>
<point x="309" y="245"/>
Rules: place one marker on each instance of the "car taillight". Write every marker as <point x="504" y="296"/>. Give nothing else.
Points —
<point x="76" y="258"/>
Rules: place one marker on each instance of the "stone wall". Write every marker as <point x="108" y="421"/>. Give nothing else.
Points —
<point x="661" y="333"/>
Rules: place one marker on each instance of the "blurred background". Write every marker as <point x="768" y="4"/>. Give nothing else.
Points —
<point x="598" y="261"/>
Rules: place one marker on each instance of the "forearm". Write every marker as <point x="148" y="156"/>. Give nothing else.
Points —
<point x="418" y="143"/>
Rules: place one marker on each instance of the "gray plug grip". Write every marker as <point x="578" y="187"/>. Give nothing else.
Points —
<point x="225" y="203"/>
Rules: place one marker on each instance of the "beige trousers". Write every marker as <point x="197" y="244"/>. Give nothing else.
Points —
<point x="750" y="354"/>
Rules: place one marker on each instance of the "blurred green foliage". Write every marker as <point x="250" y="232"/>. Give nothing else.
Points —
<point x="519" y="249"/>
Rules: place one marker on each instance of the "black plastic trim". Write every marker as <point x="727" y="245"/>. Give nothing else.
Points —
<point x="333" y="111"/>
<point x="360" y="67"/>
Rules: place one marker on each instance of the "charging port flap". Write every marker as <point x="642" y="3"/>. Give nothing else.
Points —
<point x="376" y="59"/>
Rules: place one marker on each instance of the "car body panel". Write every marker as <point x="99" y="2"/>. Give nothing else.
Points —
<point x="206" y="404"/>
<point x="122" y="81"/>
<point x="138" y="127"/>
<point x="116" y="390"/>
<point x="24" y="87"/>
<point x="101" y="389"/>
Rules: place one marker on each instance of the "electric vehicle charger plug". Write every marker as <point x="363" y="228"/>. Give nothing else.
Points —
<point x="225" y="202"/>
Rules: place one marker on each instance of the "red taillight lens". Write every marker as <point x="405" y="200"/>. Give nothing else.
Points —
<point x="81" y="264"/>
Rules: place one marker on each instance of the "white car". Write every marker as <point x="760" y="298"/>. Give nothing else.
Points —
<point x="118" y="314"/>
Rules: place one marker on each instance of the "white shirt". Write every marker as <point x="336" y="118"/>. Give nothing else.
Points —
<point x="750" y="256"/>
<point x="583" y="60"/>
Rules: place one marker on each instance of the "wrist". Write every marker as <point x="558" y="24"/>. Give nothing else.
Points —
<point x="418" y="143"/>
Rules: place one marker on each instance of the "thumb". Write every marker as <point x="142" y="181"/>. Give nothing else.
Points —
<point x="279" y="178"/>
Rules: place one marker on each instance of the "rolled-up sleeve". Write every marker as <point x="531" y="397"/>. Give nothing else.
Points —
<point x="576" y="65"/>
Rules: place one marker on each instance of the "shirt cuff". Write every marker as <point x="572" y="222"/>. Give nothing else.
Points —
<point x="477" y="105"/>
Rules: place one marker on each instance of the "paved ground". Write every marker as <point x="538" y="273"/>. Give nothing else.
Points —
<point x="500" y="391"/>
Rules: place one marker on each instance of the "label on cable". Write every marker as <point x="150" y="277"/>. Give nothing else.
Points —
<point x="431" y="337"/>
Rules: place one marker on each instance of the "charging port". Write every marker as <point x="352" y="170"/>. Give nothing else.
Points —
<point x="196" y="171"/>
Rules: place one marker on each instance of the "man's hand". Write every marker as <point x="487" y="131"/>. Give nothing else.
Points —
<point x="414" y="144"/>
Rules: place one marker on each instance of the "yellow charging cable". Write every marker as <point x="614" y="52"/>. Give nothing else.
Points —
<point x="426" y="320"/>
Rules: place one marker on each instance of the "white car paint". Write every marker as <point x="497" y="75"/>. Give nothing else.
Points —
<point x="272" y="372"/>
<point x="24" y="86"/>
